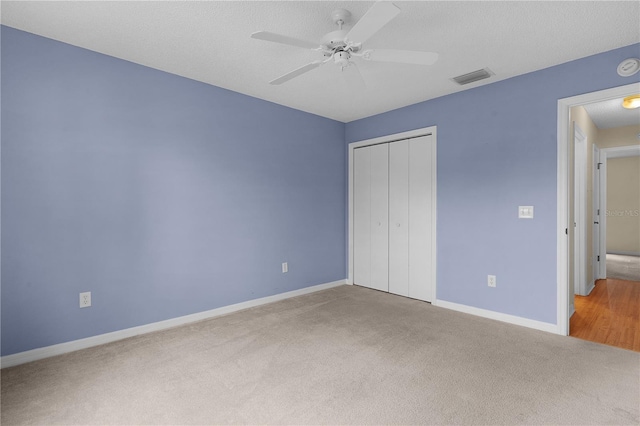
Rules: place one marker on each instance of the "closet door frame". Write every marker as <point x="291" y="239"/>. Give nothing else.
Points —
<point x="426" y="131"/>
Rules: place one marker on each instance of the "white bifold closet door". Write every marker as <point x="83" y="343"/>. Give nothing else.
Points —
<point x="393" y="217"/>
<point x="371" y="210"/>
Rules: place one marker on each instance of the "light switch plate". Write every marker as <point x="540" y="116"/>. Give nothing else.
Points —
<point x="525" y="212"/>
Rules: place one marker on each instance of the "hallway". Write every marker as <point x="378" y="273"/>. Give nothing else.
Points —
<point x="609" y="315"/>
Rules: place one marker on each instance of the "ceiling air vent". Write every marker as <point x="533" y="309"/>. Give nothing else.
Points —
<point x="473" y="76"/>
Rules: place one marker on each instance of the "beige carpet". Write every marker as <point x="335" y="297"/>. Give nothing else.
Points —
<point x="347" y="355"/>
<point x="622" y="267"/>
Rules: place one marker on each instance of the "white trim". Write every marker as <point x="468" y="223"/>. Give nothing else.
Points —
<point x="598" y="257"/>
<point x="579" y="211"/>
<point x="603" y="214"/>
<point x="590" y="286"/>
<point x="622" y="151"/>
<point x="511" y="319"/>
<point x="62" y="348"/>
<point x="562" y="222"/>
<point x="425" y="131"/>
<point x="624" y="253"/>
<point x="350" y="235"/>
<point x="434" y="218"/>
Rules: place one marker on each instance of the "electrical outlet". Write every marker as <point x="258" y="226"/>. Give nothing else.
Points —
<point x="285" y="267"/>
<point x="85" y="299"/>
<point x="491" y="280"/>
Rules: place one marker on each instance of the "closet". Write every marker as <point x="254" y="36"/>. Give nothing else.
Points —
<point x="393" y="216"/>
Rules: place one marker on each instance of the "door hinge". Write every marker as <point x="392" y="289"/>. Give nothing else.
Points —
<point x="598" y="214"/>
<point x="566" y="231"/>
<point x="599" y="164"/>
<point x="598" y="258"/>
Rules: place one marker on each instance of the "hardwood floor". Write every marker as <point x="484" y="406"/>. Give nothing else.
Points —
<point x="609" y="315"/>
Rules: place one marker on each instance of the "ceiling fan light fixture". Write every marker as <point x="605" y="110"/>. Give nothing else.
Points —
<point x="342" y="58"/>
<point x="631" y="102"/>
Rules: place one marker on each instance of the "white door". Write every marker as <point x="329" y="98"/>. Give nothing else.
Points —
<point x="422" y="233"/>
<point x="399" y="217"/>
<point x="362" y="217"/>
<point x="371" y="217"/>
<point x="580" y="213"/>
<point x="380" y="217"/>
<point x="411" y="217"/>
<point x="394" y="217"/>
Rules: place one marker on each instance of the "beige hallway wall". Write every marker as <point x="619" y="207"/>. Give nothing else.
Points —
<point x="623" y="191"/>
<point x="623" y="205"/>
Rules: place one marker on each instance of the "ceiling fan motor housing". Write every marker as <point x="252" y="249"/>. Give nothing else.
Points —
<point x="334" y="39"/>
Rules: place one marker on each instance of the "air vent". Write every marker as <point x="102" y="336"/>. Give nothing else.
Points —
<point x="473" y="76"/>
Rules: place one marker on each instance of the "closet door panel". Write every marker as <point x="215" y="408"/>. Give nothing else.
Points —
<point x="399" y="217"/>
<point x="380" y="217"/>
<point x="362" y="216"/>
<point x="421" y="234"/>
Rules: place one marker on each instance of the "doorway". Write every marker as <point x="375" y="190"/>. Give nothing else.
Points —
<point x="565" y="201"/>
<point x="617" y="182"/>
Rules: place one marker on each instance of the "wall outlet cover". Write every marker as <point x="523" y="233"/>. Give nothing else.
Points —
<point x="85" y="299"/>
<point x="491" y="280"/>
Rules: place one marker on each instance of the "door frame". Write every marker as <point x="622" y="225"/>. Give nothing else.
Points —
<point x="425" y="131"/>
<point x="562" y="219"/>
<point x="599" y="216"/>
<point x="605" y="155"/>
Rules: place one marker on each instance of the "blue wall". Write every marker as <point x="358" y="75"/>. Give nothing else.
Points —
<point x="161" y="195"/>
<point x="497" y="149"/>
<point x="164" y="196"/>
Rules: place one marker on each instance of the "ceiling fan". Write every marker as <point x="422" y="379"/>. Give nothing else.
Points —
<point x="342" y="46"/>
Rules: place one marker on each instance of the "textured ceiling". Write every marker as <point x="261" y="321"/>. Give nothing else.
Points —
<point x="608" y="114"/>
<point x="209" y="41"/>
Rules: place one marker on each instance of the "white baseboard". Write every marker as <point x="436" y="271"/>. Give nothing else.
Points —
<point x="511" y="319"/>
<point x="624" y="253"/>
<point x="62" y="348"/>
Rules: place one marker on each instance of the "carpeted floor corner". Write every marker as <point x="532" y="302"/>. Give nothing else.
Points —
<point x="346" y="355"/>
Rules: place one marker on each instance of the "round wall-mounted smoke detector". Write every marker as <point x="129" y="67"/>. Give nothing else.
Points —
<point x="629" y="67"/>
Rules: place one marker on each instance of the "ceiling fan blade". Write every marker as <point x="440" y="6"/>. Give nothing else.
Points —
<point x="377" y="17"/>
<point x="298" y="71"/>
<point x="401" y="56"/>
<point x="279" y="38"/>
<point x="352" y="76"/>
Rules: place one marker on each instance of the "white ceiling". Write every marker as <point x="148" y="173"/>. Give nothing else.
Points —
<point x="608" y="114"/>
<point x="209" y="41"/>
